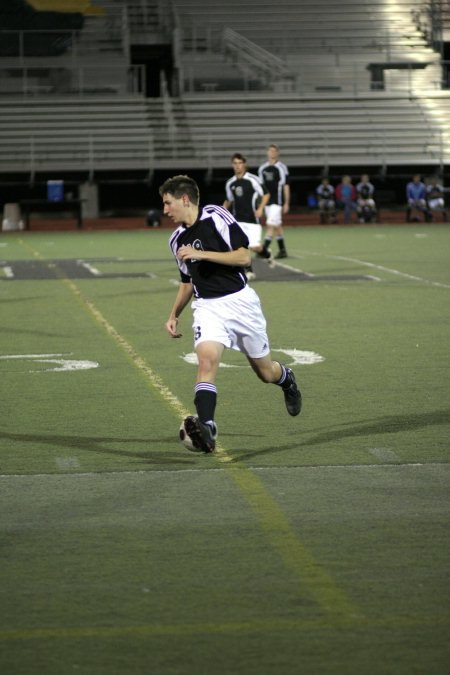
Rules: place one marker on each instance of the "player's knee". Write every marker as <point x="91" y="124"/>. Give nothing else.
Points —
<point x="208" y="359"/>
<point x="207" y="362"/>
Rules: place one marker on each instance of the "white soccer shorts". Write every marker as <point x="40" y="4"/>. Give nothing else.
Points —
<point x="274" y="215"/>
<point x="437" y="203"/>
<point x="235" y="321"/>
<point x="253" y="232"/>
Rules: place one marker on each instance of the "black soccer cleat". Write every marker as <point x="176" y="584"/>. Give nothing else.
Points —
<point x="292" y="394"/>
<point x="281" y="254"/>
<point x="267" y="255"/>
<point x="203" y="436"/>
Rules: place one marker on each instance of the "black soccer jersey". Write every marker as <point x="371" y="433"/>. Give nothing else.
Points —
<point x="244" y="194"/>
<point x="365" y="190"/>
<point x="325" y="191"/>
<point x="274" y="177"/>
<point x="214" y="230"/>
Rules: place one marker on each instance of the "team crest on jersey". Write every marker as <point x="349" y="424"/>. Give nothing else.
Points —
<point x="197" y="246"/>
<point x="239" y="191"/>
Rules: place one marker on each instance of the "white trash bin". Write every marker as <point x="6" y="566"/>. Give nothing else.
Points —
<point x="12" y="218"/>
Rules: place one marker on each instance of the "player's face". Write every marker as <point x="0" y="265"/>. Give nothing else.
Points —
<point x="239" y="167"/>
<point x="174" y="208"/>
<point x="272" y="154"/>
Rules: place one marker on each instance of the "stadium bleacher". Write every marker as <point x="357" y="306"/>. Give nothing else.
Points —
<point x="299" y="73"/>
<point x="74" y="134"/>
<point x="133" y="132"/>
<point x="314" y="38"/>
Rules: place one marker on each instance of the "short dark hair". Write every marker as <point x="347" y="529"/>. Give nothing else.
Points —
<point x="240" y="156"/>
<point x="179" y="186"/>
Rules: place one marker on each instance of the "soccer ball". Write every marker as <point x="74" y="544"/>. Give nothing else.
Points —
<point x="185" y="438"/>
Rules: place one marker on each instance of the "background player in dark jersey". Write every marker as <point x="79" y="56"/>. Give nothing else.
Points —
<point x="274" y="175"/>
<point x="365" y="203"/>
<point x="246" y="198"/>
<point x="211" y="251"/>
<point x="327" y="205"/>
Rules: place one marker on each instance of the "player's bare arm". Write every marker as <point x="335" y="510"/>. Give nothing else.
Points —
<point x="184" y="294"/>
<point x="240" y="257"/>
<point x="287" y="198"/>
<point x="260" y="210"/>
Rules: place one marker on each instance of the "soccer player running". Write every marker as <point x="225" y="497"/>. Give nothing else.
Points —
<point x="211" y="252"/>
<point x="275" y="176"/>
<point x="246" y="198"/>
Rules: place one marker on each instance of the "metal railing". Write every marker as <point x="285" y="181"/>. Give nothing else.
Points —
<point x="429" y="20"/>
<point x="26" y="44"/>
<point x="168" y="112"/>
<point x="198" y="38"/>
<point x="74" y="80"/>
<point x="89" y="155"/>
<point x="349" y="78"/>
<point x="263" y="63"/>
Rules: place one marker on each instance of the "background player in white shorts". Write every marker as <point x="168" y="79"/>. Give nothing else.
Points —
<point x="274" y="175"/>
<point x="211" y="252"/>
<point x="246" y="198"/>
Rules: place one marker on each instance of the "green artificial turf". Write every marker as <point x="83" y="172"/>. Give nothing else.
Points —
<point x="314" y="545"/>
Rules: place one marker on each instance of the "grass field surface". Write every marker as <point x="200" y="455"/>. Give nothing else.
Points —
<point x="316" y="545"/>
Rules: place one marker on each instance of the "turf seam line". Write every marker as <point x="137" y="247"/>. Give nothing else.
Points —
<point x="241" y="627"/>
<point x="85" y="474"/>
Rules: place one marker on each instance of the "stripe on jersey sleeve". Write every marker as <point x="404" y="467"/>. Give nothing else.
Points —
<point x="173" y="243"/>
<point x="222" y="220"/>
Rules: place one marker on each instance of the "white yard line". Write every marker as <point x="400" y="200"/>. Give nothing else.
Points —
<point x="90" y="268"/>
<point x="382" y="268"/>
<point x="292" y="269"/>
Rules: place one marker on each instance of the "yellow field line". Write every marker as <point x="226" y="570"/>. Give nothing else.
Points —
<point x="240" y="627"/>
<point x="297" y="558"/>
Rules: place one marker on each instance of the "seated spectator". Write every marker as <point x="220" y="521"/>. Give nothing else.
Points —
<point x="435" y="197"/>
<point x="325" y="200"/>
<point x="346" y="197"/>
<point x="416" y="198"/>
<point x="365" y="204"/>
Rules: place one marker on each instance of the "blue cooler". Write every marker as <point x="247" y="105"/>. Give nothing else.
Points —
<point x="55" y="190"/>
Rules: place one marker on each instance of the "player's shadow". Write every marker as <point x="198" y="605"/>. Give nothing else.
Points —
<point x="389" y="424"/>
<point x="99" y="445"/>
